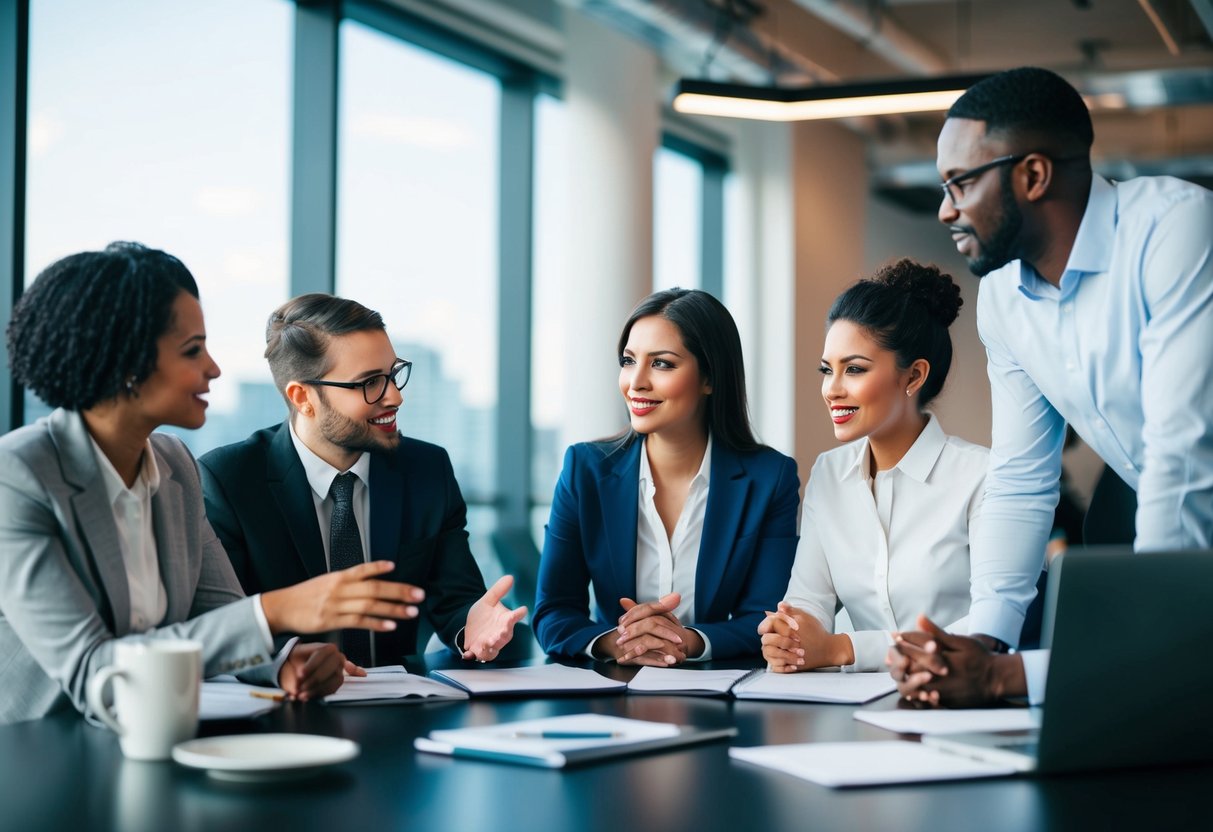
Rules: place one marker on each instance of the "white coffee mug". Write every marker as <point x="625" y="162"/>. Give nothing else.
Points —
<point x="156" y="687"/>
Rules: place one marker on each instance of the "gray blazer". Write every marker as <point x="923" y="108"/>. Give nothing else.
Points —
<point x="64" y="596"/>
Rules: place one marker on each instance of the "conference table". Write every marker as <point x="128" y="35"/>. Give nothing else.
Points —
<point x="60" y="773"/>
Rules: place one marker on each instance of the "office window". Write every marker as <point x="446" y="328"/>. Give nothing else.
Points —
<point x="677" y="220"/>
<point x="166" y="122"/>
<point x="548" y="327"/>
<point x="417" y="238"/>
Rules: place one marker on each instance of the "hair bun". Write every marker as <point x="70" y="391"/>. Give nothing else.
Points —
<point x="926" y="285"/>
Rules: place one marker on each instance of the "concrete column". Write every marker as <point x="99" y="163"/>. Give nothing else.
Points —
<point x="830" y="177"/>
<point x="760" y="276"/>
<point x="614" y="127"/>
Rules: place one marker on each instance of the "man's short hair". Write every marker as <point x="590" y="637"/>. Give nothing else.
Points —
<point x="298" y="333"/>
<point x="1031" y="102"/>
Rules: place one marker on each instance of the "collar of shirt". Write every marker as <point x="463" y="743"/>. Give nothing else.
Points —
<point x="146" y="483"/>
<point x="701" y="479"/>
<point x="917" y="463"/>
<point x="320" y="474"/>
<point x="1091" y="252"/>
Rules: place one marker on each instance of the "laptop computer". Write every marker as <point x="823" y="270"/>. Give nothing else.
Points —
<point x="1131" y="671"/>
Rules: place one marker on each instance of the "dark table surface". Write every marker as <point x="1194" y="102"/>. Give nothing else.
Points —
<point x="60" y="773"/>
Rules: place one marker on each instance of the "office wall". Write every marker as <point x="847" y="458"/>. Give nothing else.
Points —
<point x="891" y="233"/>
<point x="830" y="178"/>
<point x="760" y="272"/>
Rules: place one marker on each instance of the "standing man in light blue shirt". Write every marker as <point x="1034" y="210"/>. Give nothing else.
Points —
<point x="1096" y="309"/>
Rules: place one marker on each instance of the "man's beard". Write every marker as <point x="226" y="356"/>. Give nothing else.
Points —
<point x="344" y="432"/>
<point x="1000" y="248"/>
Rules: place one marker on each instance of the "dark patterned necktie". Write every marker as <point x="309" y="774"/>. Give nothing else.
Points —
<point x="345" y="550"/>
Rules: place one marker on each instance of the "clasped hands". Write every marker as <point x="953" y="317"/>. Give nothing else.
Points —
<point x="650" y="634"/>
<point x="793" y="640"/>
<point x="934" y="668"/>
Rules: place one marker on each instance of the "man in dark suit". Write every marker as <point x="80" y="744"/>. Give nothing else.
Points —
<point x="336" y="484"/>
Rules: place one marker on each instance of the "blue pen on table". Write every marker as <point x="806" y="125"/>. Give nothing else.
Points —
<point x="566" y="735"/>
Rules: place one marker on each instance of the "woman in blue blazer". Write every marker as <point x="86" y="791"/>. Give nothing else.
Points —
<point x="684" y="525"/>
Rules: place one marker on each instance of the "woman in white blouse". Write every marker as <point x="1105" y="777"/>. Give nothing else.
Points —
<point x="888" y="516"/>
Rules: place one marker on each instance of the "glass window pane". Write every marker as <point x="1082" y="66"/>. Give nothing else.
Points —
<point x="677" y="220"/>
<point x="417" y="237"/>
<point x="166" y="122"/>
<point x="548" y="324"/>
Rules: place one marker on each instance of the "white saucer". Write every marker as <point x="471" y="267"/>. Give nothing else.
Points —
<point x="249" y="757"/>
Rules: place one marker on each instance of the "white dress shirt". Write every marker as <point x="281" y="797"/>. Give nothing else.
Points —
<point x="1120" y="350"/>
<point x="132" y="509"/>
<point x="666" y="564"/>
<point x="320" y="476"/>
<point x="892" y="548"/>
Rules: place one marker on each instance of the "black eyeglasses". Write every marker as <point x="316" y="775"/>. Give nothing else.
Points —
<point x="954" y="189"/>
<point x="373" y="387"/>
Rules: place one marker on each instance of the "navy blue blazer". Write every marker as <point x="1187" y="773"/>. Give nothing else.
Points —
<point x="260" y="504"/>
<point x="745" y="558"/>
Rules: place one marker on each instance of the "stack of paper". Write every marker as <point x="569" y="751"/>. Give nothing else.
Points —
<point x="943" y="721"/>
<point x="555" y="742"/>
<point x="544" y="678"/>
<point x="838" y="764"/>
<point x="390" y="685"/>
<point x="847" y="688"/>
<point x="688" y="682"/>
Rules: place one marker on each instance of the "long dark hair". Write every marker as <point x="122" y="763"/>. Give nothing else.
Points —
<point x="709" y="332"/>
<point x="907" y="307"/>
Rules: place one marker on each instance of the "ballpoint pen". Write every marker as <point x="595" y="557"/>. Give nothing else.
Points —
<point x="566" y="735"/>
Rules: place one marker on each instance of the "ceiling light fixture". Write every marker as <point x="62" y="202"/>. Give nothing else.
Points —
<point x="868" y="98"/>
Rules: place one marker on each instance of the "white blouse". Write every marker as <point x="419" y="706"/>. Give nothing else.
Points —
<point x="132" y="508"/>
<point x="668" y="564"/>
<point x="889" y="550"/>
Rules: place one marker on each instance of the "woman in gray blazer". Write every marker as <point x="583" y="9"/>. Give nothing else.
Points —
<point x="102" y="530"/>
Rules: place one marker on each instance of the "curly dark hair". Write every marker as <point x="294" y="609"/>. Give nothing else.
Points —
<point x="86" y="329"/>
<point x="1031" y="102"/>
<point x="908" y="307"/>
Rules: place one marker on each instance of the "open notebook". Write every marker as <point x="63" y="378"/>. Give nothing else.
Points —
<point x="686" y="681"/>
<point x="815" y="686"/>
<point x="530" y="680"/>
<point x="391" y="685"/>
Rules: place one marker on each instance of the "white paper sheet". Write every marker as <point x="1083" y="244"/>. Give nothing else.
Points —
<point x="838" y="764"/>
<point x="845" y="688"/>
<point x="944" y="721"/>
<point x="544" y="678"/>
<point x="225" y="698"/>
<point x="664" y="679"/>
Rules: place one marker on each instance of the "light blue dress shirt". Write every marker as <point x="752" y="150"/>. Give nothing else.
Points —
<point x="1123" y="351"/>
